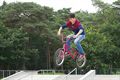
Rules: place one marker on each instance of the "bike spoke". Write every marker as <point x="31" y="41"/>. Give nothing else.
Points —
<point x="59" y="57"/>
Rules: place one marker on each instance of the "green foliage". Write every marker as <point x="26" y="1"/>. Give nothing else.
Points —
<point x="33" y="21"/>
<point x="108" y="19"/>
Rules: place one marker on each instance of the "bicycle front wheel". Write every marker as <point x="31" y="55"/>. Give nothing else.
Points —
<point x="59" y="57"/>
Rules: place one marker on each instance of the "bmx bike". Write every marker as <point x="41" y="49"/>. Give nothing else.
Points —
<point x="62" y="53"/>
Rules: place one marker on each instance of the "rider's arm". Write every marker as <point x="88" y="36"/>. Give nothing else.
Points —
<point x="80" y="31"/>
<point x="60" y="29"/>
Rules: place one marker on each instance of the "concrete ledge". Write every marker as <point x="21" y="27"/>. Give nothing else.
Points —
<point x="20" y="75"/>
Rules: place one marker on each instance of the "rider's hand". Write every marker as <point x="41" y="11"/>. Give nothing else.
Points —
<point x="74" y="36"/>
<point x="58" y="33"/>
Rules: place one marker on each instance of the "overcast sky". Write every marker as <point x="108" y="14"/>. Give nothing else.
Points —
<point x="75" y="5"/>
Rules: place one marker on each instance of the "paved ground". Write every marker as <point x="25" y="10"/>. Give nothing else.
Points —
<point x="40" y="77"/>
<point x="32" y="75"/>
<point x="71" y="77"/>
<point x="107" y="77"/>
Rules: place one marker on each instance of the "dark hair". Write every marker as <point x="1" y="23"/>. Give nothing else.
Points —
<point x="71" y="15"/>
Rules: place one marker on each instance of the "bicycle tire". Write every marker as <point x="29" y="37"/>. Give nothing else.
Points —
<point x="80" y="62"/>
<point x="59" y="57"/>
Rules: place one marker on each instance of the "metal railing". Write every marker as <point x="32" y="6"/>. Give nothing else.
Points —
<point x="66" y="77"/>
<point x="5" y="73"/>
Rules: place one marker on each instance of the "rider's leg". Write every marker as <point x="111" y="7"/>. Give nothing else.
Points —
<point x="77" y="43"/>
<point x="68" y="41"/>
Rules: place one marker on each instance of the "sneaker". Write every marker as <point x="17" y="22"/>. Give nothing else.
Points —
<point x="82" y="55"/>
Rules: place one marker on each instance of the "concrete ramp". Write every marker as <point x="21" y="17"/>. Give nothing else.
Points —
<point x="20" y="75"/>
<point x="89" y="75"/>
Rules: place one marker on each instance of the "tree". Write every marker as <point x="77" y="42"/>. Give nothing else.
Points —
<point x="37" y="22"/>
<point x="109" y="18"/>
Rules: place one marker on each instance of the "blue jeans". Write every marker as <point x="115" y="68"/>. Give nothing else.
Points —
<point x="77" y="43"/>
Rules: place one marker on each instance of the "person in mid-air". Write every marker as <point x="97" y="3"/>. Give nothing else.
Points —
<point x="79" y="33"/>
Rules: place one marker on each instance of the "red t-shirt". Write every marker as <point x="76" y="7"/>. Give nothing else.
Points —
<point x="73" y="26"/>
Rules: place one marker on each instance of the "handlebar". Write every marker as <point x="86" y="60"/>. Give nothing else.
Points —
<point x="63" y="38"/>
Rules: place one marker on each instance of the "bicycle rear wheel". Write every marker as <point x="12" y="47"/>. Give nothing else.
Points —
<point x="80" y="61"/>
<point x="59" y="57"/>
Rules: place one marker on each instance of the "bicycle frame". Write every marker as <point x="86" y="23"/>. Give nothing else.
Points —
<point x="65" y="48"/>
